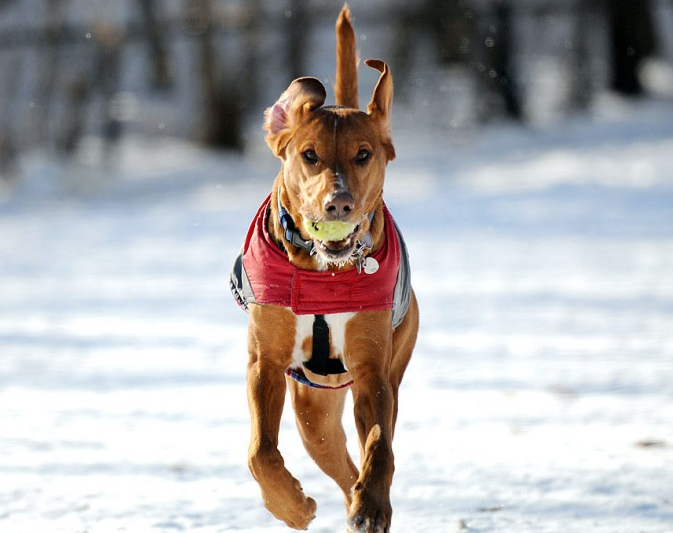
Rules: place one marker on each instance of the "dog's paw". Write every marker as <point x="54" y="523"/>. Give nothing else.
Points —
<point x="368" y="517"/>
<point x="293" y="508"/>
<point x="303" y="514"/>
<point x="373" y="524"/>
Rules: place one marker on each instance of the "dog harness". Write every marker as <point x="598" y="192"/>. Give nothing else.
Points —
<point x="263" y="275"/>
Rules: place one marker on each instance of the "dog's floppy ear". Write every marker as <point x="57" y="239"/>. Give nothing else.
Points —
<point x="301" y="97"/>
<point x="379" y="109"/>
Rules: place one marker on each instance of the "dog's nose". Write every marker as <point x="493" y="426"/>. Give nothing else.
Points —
<point x="339" y="205"/>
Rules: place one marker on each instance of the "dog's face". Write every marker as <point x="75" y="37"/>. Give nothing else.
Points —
<point x="333" y="158"/>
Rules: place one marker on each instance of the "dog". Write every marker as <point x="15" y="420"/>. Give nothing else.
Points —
<point x="324" y="276"/>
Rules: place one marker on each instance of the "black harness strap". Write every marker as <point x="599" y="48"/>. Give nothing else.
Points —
<point x="320" y="362"/>
<point x="291" y="234"/>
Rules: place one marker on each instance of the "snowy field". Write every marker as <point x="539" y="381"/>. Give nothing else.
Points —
<point x="539" y="399"/>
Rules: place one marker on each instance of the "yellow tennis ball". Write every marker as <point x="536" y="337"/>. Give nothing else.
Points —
<point x="331" y="231"/>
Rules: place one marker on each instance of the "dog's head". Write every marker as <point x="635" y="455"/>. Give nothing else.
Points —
<point x="333" y="159"/>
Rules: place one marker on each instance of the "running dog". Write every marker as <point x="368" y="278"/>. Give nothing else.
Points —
<point x="324" y="276"/>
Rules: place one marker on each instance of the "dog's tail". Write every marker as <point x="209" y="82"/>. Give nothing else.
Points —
<point x="346" y="85"/>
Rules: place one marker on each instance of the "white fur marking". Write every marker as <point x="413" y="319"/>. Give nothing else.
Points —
<point x="304" y="328"/>
<point x="337" y="326"/>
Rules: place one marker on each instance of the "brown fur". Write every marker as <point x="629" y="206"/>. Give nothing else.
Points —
<point x="375" y="354"/>
<point x="346" y="85"/>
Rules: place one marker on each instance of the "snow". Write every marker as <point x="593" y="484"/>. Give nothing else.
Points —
<point x="539" y="398"/>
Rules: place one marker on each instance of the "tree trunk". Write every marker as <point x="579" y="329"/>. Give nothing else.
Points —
<point x="580" y="75"/>
<point x="631" y="40"/>
<point x="48" y="70"/>
<point x="496" y="68"/>
<point x="502" y="60"/>
<point x="297" y="32"/>
<point x="161" y="76"/>
<point x="221" y="94"/>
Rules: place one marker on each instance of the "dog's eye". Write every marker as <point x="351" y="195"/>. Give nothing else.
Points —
<point x="310" y="156"/>
<point x="363" y="156"/>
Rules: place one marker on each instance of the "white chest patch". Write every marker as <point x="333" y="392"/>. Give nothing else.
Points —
<point x="337" y="328"/>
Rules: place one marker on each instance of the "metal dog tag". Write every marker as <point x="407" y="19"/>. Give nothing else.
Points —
<point x="370" y="265"/>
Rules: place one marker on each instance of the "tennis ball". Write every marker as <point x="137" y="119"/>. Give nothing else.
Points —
<point x="331" y="231"/>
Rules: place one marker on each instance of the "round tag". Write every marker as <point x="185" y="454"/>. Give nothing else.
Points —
<point x="371" y="265"/>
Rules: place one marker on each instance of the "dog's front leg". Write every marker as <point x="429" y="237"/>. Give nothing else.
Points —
<point x="369" y="353"/>
<point x="270" y="343"/>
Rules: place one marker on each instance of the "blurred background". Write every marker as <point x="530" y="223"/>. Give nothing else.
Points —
<point x="203" y="70"/>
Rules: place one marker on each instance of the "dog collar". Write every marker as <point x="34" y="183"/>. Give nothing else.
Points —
<point x="291" y="234"/>
<point x="295" y="239"/>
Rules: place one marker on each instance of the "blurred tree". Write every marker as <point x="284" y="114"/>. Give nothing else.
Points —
<point x="631" y="40"/>
<point x="248" y="68"/>
<point x="451" y="23"/>
<point x="482" y="39"/>
<point x="9" y="89"/>
<point x="48" y="69"/>
<point x="580" y="93"/>
<point x="450" y="26"/>
<point x="7" y="156"/>
<point x="107" y="79"/>
<point x="298" y="29"/>
<point x="498" y="74"/>
<point x="222" y="114"/>
<point x="161" y="73"/>
<point x="74" y="117"/>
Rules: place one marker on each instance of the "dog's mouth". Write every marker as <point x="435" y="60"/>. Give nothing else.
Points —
<point x="338" y="251"/>
<point x="334" y="241"/>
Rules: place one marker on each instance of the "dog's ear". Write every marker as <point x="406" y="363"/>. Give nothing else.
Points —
<point x="379" y="109"/>
<point x="301" y="97"/>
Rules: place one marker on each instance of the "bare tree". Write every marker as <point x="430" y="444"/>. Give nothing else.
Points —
<point x="48" y="68"/>
<point x="74" y="116"/>
<point x="298" y="28"/>
<point x="248" y="73"/>
<point x="9" y="88"/>
<point x="481" y="39"/>
<point x="108" y="69"/>
<point x="453" y="29"/>
<point x="499" y="72"/>
<point x="7" y="156"/>
<point x="580" y="75"/>
<point x="161" y="74"/>
<point x="631" y="40"/>
<point x="222" y="114"/>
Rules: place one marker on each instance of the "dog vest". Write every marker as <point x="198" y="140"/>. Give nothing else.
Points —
<point x="263" y="275"/>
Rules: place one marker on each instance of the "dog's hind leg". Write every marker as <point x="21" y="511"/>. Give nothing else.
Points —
<point x="281" y="492"/>
<point x="318" y="413"/>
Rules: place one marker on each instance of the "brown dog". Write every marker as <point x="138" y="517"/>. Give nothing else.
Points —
<point x="329" y="304"/>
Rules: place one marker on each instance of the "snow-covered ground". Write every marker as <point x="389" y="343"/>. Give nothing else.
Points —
<point x="539" y="399"/>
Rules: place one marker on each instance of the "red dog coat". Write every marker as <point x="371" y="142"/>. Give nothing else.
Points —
<point x="262" y="274"/>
